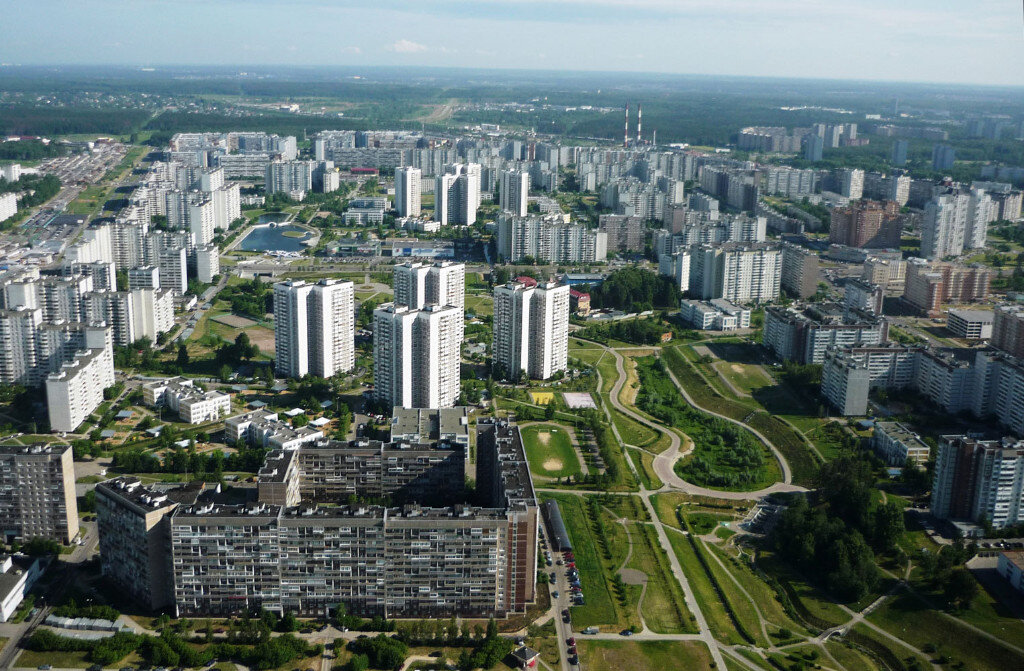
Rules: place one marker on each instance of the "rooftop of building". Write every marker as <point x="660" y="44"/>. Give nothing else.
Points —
<point x="984" y="316"/>
<point x="430" y="424"/>
<point x="35" y="449"/>
<point x="1015" y="557"/>
<point x="150" y="497"/>
<point x="899" y="431"/>
<point x="832" y="314"/>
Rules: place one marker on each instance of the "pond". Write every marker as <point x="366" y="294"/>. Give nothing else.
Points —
<point x="274" y="218"/>
<point x="286" y="238"/>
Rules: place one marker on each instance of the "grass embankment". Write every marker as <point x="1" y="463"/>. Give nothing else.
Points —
<point x="796" y="452"/>
<point x="644" y="655"/>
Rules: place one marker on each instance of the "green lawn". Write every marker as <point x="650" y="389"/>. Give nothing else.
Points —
<point x="632" y="432"/>
<point x="747" y="378"/>
<point x="711" y="605"/>
<point x="549" y="451"/>
<point x="908" y="618"/>
<point x="644" y="463"/>
<point x="643" y="656"/>
<point x="850" y="658"/>
<point x="663" y="605"/>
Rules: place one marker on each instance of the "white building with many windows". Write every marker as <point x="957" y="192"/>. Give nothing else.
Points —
<point x="408" y="196"/>
<point x="416" y="354"/>
<point x="314" y="327"/>
<point x="531" y="329"/>
<point x="192" y="404"/>
<point x="76" y="389"/>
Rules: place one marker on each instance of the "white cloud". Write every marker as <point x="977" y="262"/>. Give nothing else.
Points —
<point x="351" y="50"/>
<point x="407" y="47"/>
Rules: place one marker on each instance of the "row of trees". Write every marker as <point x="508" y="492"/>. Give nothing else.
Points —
<point x="187" y="460"/>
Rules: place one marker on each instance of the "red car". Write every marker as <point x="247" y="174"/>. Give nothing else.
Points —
<point x="571" y="640"/>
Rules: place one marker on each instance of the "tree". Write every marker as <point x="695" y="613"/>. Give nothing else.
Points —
<point x="961" y="589"/>
<point x="888" y="526"/>
<point x="182" y="359"/>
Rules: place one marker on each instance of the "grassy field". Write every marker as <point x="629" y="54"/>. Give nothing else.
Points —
<point x="549" y="451"/>
<point x="644" y="656"/>
<point x="479" y="305"/>
<point x="711" y="604"/>
<point x="908" y="618"/>
<point x="663" y="606"/>
<point x="850" y="658"/>
<point x="746" y="378"/>
<point x="644" y="463"/>
<point x="764" y="596"/>
<point x="634" y="433"/>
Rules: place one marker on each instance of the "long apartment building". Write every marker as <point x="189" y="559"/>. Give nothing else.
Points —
<point x="37" y="492"/>
<point x="549" y="239"/>
<point x="301" y="557"/>
<point x="979" y="480"/>
<point x="314" y="327"/>
<point x="867" y="224"/>
<point x="929" y="285"/>
<point x="804" y="333"/>
<point x="531" y="329"/>
<point x="73" y="392"/>
<point x="799" y="275"/>
<point x="738" y="272"/>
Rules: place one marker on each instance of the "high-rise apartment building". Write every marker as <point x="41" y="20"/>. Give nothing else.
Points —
<point x="416" y="355"/>
<point x="182" y="548"/>
<point x="457" y="194"/>
<point x="408" y="191"/>
<point x="737" y="272"/>
<point x="207" y="262"/>
<point x="799" y="275"/>
<point x="173" y="264"/>
<point x="929" y="285"/>
<point x="979" y="480"/>
<point x="851" y="183"/>
<point x="314" y="327"/>
<point x="515" y="191"/>
<point x="419" y="284"/>
<point x="625" y="233"/>
<point x="531" y="329"/>
<point x="804" y="333"/>
<point x="866" y="224"/>
<point x="549" y="239"/>
<point x="1008" y="329"/>
<point x="899" y="152"/>
<point x="73" y="392"/>
<point x="944" y="229"/>
<point x="289" y="176"/>
<point x="943" y="157"/>
<point x="37" y="492"/>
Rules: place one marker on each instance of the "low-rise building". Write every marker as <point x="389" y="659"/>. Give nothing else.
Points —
<point x="716" y="314"/>
<point x="1010" y="565"/>
<point x="263" y="428"/>
<point x="191" y="403"/>
<point x="18" y="574"/>
<point x="971" y="324"/>
<point x="895" y="443"/>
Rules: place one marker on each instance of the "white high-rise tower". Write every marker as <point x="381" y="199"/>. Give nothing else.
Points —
<point x="531" y="329"/>
<point x="515" y="191"/>
<point x="407" y="192"/>
<point x="314" y="328"/>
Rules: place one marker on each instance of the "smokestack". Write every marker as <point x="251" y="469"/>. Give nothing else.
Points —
<point x="639" y="123"/>
<point x="654" y="140"/>
<point x="625" y="133"/>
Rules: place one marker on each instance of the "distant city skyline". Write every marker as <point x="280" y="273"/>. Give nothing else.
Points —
<point x="916" y="40"/>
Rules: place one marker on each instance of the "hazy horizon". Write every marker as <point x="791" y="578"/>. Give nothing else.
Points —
<point x="936" y="42"/>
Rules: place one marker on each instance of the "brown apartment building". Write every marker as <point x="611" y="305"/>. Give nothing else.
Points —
<point x="866" y="224"/>
<point x="931" y="284"/>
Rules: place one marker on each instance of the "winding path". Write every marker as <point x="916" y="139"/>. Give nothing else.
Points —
<point x="664" y="462"/>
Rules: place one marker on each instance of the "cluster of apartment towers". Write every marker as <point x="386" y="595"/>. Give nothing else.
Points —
<point x="417" y="339"/>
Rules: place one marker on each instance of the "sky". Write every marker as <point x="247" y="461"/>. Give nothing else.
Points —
<point x="955" y="41"/>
